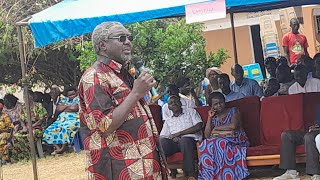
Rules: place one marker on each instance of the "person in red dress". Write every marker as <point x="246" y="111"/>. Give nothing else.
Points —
<point x="118" y="131"/>
<point x="294" y="44"/>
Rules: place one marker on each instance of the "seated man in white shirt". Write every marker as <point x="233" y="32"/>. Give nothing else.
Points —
<point x="224" y="85"/>
<point x="185" y="102"/>
<point x="180" y="133"/>
<point x="303" y="84"/>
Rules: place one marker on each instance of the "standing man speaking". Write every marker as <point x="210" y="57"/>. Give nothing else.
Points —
<point x="117" y="128"/>
<point x="294" y="44"/>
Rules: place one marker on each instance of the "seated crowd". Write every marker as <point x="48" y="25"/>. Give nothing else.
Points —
<point x="222" y="147"/>
<point x="55" y="122"/>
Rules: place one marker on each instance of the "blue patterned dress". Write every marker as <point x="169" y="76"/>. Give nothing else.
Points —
<point x="66" y="126"/>
<point x="224" y="158"/>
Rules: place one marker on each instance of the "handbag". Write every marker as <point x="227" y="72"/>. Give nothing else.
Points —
<point x="230" y="133"/>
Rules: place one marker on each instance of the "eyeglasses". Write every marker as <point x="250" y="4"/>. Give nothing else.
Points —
<point x="123" y="38"/>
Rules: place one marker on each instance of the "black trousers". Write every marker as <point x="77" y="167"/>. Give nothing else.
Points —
<point x="289" y="141"/>
<point x="186" y="146"/>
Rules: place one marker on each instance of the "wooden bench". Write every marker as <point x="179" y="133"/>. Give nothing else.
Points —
<point x="271" y="160"/>
<point x="263" y="122"/>
<point x="252" y="161"/>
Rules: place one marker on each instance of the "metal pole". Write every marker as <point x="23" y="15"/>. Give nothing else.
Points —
<point x="26" y="100"/>
<point x="23" y="22"/>
<point x="234" y="41"/>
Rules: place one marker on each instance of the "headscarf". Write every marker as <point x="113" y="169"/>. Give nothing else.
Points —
<point x="215" y="69"/>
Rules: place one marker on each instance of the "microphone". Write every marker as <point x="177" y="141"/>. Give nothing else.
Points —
<point x="139" y="64"/>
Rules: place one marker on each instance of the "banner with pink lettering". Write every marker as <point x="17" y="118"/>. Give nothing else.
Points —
<point x="205" y="11"/>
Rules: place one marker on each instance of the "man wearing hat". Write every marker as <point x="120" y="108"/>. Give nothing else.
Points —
<point x="212" y="74"/>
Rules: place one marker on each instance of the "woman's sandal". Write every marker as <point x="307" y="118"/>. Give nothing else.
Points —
<point x="191" y="178"/>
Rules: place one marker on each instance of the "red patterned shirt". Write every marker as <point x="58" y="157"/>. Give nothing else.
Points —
<point x="129" y="152"/>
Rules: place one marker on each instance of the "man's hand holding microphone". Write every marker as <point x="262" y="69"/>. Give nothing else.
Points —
<point x="143" y="84"/>
<point x="145" y="81"/>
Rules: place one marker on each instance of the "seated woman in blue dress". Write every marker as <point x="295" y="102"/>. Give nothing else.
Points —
<point x="63" y="130"/>
<point x="223" y="152"/>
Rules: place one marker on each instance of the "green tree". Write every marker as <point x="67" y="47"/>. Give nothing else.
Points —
<point x="170" y="48"/>
<point x="53" y="64"/>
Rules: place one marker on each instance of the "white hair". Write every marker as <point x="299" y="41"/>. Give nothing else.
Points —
<point x="101" y="33"/>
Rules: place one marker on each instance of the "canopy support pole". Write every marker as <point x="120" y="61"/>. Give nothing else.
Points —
<point x="26" y="100"/>
<point x="234" y="41"/>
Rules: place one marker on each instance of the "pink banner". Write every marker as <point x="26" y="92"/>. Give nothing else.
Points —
<point x="205" y="11"/>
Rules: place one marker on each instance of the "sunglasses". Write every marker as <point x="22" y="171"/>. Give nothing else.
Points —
<point x="123" y="38"/>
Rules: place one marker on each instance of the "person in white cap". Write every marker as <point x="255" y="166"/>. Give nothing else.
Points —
<point x="212" y="74"/>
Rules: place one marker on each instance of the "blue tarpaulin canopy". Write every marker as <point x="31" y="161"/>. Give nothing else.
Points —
<point x="262" y="5"/>
<point x="76" y="17"/>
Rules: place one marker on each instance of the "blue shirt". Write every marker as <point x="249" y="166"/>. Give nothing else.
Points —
<point x="248" y="87"/>
<point x="232" y="96"/>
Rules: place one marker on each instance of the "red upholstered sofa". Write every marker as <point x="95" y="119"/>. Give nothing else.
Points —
<point x="264" y="121"/>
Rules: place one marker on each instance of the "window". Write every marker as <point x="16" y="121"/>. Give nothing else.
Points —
<point x="318" y="24"/>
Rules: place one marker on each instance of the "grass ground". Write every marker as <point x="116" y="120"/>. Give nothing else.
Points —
<point x="67" y="167"/>
<point x="71" y="167"/>
<point x="264" y="173"/>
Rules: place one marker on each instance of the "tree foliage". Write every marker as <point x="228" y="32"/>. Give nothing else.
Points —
<point x="54" y="64"/>
<point x="169" y="47"/>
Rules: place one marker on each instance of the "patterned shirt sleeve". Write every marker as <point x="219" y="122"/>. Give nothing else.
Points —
<point x="23" y="116"/>
<point x="96" y="104"/>
<point x="7" y="121"/>
<point x="40" y="112"/>
<point x="62" y="101"/>
<point x="76" y="100"/>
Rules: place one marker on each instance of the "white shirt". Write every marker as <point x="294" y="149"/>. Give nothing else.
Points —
<point x="312" y="85"/>
<point x="318" y="142"/>
<point x="160" y="102"/>
<point x="186" y="103"/>
<point x="188" y="118"/>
